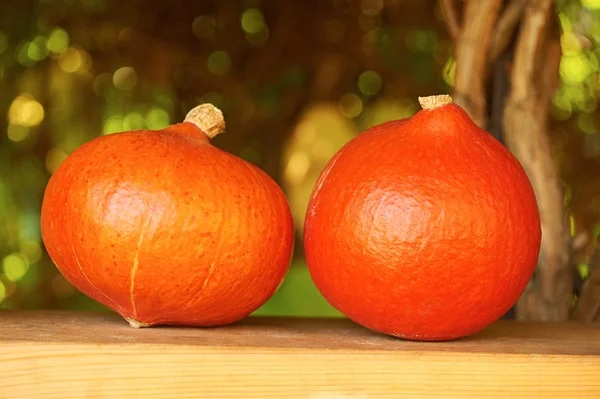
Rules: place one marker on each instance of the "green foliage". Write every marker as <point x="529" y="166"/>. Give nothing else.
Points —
<point x="579" y="67"/>
<point x="298" y="296"/>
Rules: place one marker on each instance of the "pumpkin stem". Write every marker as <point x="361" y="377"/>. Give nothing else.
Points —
<point x="207" y="118"/>
<point x="433" y="102"/>
<point x="136" y="324"/>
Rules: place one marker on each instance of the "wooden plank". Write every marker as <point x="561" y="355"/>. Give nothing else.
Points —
<point x="97" y="355"/>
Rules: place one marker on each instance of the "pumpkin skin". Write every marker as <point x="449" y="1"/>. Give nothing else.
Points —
<point x="165" y="228"/>
<point x="425" y="228"/>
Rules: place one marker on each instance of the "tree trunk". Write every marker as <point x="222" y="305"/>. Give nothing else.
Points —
<point x="534" y="78"/>
<point x="588" y="305"/>
<point x="492" y="30"/>
<point x="472" y="70"/>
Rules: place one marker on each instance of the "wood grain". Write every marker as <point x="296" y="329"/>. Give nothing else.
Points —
<point x="97" y="355"/>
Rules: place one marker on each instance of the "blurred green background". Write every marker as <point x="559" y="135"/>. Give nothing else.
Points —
<point x="296" y="80"/>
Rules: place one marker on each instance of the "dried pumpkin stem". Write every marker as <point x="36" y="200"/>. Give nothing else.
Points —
<point x="136" y="324"/>
<point x="208" y="118"/>
<point x="433" y="102"/>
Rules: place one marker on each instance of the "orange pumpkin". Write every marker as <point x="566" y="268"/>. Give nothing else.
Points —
<point x="425" y="228"/>
<point x="165" y="228"/>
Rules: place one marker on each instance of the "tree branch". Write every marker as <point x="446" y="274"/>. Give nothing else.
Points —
<point x="451" y="16"/>
<point x="500" y="87"/>
<point x="506" y="28"/>
<point x="535" y="66"/>
<point x="531" y="43"/>
<point x="588" y="304"/>
<point x="471" y="58"/>
<point x="549" y="79"/>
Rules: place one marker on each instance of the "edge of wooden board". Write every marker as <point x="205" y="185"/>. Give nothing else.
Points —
<point x="36" y="370"/>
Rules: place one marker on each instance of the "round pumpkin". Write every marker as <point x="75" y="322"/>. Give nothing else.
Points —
<point x="425" y="228"/>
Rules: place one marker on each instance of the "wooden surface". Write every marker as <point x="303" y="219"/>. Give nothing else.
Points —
<point x="97" y="355"/>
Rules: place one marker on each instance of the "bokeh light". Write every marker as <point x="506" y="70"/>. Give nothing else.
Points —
<point x="253" y="21"/>
<point x="134" y="121"/>
<point x="369" y="83"/>
<point x="15" y="266"/>
<point x="36" y="49"/>
<point x="25" y="111"/>
<point x="204" y="27"/>
<point x="577" y="68"/>
<point x="125" y="78"/>
<point x="17" y="133"/>
<point x="32" y="250"/>
<point x="350" y="105"/>
<point x="58" y="41"/>
<point x="74" y="59"/>
<point x="114" y="124"/>
<point x="157" y="118"/>
<point x="218" y="63"/>
<point x="296" y="168"/>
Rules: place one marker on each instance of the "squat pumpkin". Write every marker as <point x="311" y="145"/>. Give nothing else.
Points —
<point x="165" y="228"/>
